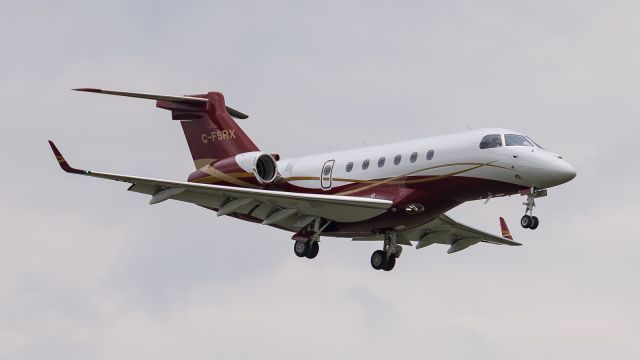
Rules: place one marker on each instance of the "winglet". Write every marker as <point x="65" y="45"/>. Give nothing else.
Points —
<point x="505" y="229"/>
<point x="63" y="163"/>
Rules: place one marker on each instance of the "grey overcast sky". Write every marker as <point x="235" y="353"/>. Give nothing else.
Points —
<point x="90" y="271"/>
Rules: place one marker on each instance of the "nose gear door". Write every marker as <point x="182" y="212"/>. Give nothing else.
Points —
<point x="326" y="174"/>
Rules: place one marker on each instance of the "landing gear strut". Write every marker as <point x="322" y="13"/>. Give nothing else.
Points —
<point x="528" y="221"/>
<point x="308" y="246"/>
<point x="385" y="259"/>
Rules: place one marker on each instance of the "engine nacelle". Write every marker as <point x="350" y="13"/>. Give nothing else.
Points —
<point x="250" y="168"/>
<point x="263" y="166"/>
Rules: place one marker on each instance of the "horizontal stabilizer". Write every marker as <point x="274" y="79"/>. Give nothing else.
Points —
<point x="182" y="99"/>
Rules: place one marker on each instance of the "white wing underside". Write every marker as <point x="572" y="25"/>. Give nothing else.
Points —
<point x="290" y="210"/>
<point x="444" y="230"/>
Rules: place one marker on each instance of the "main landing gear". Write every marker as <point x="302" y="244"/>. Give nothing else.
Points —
<point x="528" y="221"/>
<point x="307" y="240"/>
<point x="308" y="249"/>
<point x="385" y="259"/>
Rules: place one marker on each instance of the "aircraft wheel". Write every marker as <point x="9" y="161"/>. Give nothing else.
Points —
<point x="391" y="262"/>
<point x="526" y="221"/>
<point x="301" y="248"/>
<point x="378" y="259"/>
<point x="534" y="223"/>
<point x="313" y="250"/>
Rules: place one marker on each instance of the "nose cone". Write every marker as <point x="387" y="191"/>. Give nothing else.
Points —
<point x="561" y="172"/>
<point x="542" y="169"/>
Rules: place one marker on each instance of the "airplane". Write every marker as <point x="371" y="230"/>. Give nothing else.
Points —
<point x="396" y="194"/>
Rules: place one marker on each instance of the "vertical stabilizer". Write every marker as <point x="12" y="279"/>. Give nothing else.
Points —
<point x="211" y="132"/>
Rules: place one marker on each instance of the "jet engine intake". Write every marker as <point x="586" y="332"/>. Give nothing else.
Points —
<point x="263" y="166"/>
<point x="265" y="169"/>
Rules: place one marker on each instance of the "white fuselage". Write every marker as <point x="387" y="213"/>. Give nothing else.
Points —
<point x="450" y="155"/>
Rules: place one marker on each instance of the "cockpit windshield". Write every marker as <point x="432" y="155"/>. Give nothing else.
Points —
<point x="516" y="140"/>
<point x="496" y="140"/>
<point x="491" y="141"/>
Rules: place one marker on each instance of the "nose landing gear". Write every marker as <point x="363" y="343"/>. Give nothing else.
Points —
<point x="528" y="221"/>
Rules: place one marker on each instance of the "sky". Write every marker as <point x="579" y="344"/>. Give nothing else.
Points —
<point x="90" y="271"/>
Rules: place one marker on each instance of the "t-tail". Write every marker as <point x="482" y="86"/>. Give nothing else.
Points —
<point x="207" y="122"/>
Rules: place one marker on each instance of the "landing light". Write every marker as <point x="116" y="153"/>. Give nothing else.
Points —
<point x="414" y="208"/>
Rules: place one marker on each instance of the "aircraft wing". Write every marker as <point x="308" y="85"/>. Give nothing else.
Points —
<point x="445" y="230"/>
<point x="291" y="210"/>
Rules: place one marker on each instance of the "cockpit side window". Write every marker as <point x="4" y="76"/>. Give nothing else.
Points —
<point x="491" y="141"/>
<point x="516" y="140"/>
<point x="534" y="143"/>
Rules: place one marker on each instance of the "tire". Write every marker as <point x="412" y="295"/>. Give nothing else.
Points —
<point x="534" y="223"/>
<point x="526" y="221"/>
<point x="313" y="250"/>
<point x="391" y="262"/>
<point x="301" y="248"/>
<point x="378" y="259"/>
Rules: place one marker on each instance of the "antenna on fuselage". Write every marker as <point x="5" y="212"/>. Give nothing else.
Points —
<point x="468" y="127"/>
<point x="364" y="143"/>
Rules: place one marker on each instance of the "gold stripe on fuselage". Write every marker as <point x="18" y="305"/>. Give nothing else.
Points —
<point x="395" y="179"/>
<point x="216" y="175"/>
<point x="438" y="177"/>
<point x="200" y="163"/>
<point x="234" y="178"/>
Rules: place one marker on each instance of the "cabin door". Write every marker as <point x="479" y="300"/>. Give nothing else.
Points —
<point x="326" y="174"/>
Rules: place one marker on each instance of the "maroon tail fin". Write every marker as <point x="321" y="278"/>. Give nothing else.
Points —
<point x="211" y="133"/>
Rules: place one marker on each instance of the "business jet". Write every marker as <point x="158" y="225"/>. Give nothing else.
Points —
<point x="396" y="194"/>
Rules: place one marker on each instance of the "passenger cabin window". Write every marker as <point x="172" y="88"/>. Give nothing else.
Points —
<point x="381" y="162"/>
<point x="516" y="140"/>
<point x="349" y="166"/>
<point x="327" y="170"/>
<point x="491" y="141"/>
<point x="397" y="159"/>
<point x="413" y="157"/>
<point x="429" y="154"/>
<point x="365" y="164"/>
